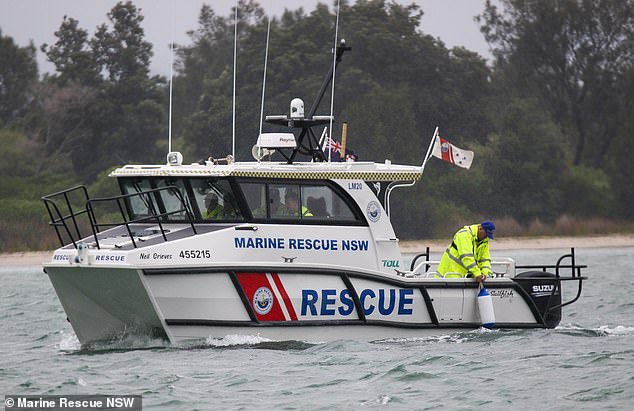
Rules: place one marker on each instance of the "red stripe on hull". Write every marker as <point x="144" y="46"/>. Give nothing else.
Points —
<point x="287" y="300"/>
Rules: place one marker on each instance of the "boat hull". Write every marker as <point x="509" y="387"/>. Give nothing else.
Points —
<point x="279" y="303"/>
<point x="105" y="304"/>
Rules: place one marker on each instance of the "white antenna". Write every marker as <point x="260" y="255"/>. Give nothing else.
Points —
<point x="332" y="93"/>
<point x="235" y="52"/>
<point x="169" y="125"/>
<point x="266" y="59"/>
<point x="169" y="149"/>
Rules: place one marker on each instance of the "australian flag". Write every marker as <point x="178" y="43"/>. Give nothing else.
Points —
<point x="332" y="151"/>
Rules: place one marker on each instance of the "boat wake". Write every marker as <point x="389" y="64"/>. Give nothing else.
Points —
<point x="236" y="340"/>
<point x="454" y="338"/>
<point x="601" y="331"/>
<point x="69" y="344"/>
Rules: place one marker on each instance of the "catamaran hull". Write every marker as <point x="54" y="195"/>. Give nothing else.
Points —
<point x="281" y="303"/>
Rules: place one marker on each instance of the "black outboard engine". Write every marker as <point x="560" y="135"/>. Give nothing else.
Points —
<point x="539" y="285"/>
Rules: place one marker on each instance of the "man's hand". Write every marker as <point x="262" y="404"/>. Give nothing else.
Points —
<point x="481" y="278"/>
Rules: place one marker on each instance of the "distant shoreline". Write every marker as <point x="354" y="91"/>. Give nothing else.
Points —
<point x="27" y="258"/>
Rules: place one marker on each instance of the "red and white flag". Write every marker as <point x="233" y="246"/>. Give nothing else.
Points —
<point x="444" y="150"/>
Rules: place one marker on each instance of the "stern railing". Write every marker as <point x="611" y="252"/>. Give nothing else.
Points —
<point x="575" y="275"/>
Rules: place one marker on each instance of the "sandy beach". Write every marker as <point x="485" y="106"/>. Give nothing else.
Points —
<point x="411" y="247"/>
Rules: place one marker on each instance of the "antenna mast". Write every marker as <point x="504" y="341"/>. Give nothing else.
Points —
<point x="235" y="52"/>
<point x="169" y="144"/>
<point x="266" y="59"/>
<point x="169" y="121"/>
<point x="332" y="93"/>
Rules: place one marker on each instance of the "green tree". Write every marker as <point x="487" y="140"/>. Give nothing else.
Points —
<point x="620" y="166"/>
<point x="573" y="55"/>
<point x="525" y="164"/>
<point x="121" y="50"/>
<point x="18" y="75"/>
<point x="100" y="121"/>
<point x="73" y="59"/>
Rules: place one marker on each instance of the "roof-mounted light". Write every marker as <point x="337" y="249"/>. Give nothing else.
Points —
<point x="174" y="158"/>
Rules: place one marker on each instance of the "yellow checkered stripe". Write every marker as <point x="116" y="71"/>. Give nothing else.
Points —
<point x="332" y="175"/>
<point x="299" y="175"/>
<point x="167" y="173"/>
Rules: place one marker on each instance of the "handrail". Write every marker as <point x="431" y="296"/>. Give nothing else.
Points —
<point x="575" y="271"/>
<point x="68" y="221"/>
<point x="58" y="220"/>
<point x="123" y="203"/>
<point x="425" y="254"/>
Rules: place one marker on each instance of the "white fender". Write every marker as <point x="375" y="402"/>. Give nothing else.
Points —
<point x="485" y="306"/>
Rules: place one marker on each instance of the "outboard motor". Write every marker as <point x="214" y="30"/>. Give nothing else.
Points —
<point x="539" y="286"/>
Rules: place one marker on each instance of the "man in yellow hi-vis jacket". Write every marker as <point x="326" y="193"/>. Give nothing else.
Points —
<point x="468" y="254"/>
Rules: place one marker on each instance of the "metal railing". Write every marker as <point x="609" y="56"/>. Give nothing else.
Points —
<point x="70" y="216"/>
<point x="67" y="222"/>
<point x="575" y="275"/>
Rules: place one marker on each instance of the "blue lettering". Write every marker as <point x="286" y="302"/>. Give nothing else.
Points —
<point x="325" y="302"/>
<point x="292" y="243"/>
<point x="354" y="245"/>
<point x="386" y="310"/>
<point x="406" y="297"/>
<point x="367" y="310"/>
<point x="348" y="304"/>
<point x="309" y="299"/>
<point x="241" y="242"/>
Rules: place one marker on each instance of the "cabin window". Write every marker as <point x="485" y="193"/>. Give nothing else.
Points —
<point x="169" y="200"/>
<point x="138" y="206"/>
<point x="324" y="204"/>
<point x="255" y="194"/>
<point x="290" y="205"/>
<point x="296" y="201"/>
<point x="215" y="200"/>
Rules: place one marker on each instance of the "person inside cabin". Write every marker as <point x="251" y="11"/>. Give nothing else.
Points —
<point x="317" y="205"/>
<point x="468" y="254"/>
<point x="291" y="205"/>
<point x="213" y="210"/>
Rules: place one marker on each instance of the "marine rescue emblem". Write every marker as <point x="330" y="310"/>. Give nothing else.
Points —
<point x="373" y="211"/>
<point x="262" y="300"/>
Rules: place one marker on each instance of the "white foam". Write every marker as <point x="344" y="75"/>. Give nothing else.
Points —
<point x="618" y="330"/>
<point x="235" y="339"/>
<point x="453" y="338"/>
<point x="384" y="399"/>
<point x="69" y="342"/>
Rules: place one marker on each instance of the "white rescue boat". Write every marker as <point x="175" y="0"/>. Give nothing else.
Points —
<point x="156" y="261"/>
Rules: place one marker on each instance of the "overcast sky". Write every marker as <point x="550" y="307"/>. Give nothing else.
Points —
<point x="37" y="20"/>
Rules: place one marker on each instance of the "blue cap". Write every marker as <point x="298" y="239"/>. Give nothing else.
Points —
<point x="489" y="227"/>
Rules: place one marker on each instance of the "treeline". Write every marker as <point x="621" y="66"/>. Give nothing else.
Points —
<point x="550" y="119"/>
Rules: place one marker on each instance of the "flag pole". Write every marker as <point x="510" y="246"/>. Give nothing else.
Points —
<point x="431" y="146"/>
